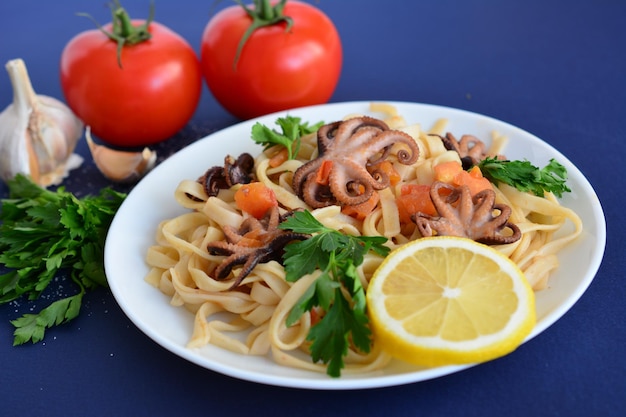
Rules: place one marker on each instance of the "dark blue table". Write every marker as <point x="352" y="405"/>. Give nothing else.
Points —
<point x="555" y="69"/>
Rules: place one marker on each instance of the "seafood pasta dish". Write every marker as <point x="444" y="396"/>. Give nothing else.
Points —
<point x="242" y="260"/>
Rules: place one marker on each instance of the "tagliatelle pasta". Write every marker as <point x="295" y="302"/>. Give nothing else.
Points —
<point x="251" y="319"/>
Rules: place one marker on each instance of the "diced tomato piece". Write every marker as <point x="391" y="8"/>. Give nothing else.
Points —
<point x="317" y="314"/>
<point x="414" y="198"/>
<point x="255" y="199"/>
<point x="249" y="243"/>
<point x="387" y="168"/>
<point x="473" y="179"/>
<point x="446" y="171"/>
<point x="361" y="211"/>
<point x="279" y="157"/>
<point x="324" y="172"/>
<point x="452" y="172"/>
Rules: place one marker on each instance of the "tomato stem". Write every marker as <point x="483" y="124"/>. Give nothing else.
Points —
<point x="263" y="14"/>
<point x="123" y="31"/>
<point x="267" y="12"/>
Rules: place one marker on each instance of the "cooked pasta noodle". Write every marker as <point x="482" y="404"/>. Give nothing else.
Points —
<point x="180" y="265"/>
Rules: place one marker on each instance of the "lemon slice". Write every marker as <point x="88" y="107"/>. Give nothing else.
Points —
<point x="447" y="300"/>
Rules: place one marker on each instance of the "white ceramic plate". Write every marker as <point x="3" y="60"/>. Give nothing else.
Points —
<point x="151" y="201"/>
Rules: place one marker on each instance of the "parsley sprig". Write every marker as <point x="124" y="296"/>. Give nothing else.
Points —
<point x="337" y="290"/>
<point x="292" y="130"/>
<point x="43" y="232"/>
<point x="525" y="176"/>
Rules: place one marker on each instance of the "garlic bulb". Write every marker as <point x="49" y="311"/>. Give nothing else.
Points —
<point x="38" y="134"/>
<point x="120" y="166"/>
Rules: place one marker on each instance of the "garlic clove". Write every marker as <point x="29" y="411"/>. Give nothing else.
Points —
<point x="38" y="134"/>
<point x="120" y="166"/>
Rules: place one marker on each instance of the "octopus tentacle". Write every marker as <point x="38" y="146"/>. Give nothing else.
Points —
<point x="225" y="268"/>
<point x="304" y="172"/>
<point x="443" y="206"/>
<point x="314" y="194"/>
<point x="484" y="202"/>
<point x="349" y="127"/>
<point x="365" y="142"/>
<point x="326" y="135"/>
<point x="351" y="189"/>
<point x="384" y="142"/>
<point x="380" y="177"/>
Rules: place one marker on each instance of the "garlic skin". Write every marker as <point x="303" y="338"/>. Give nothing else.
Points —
<point x="120" y="166"/>
<point x="38" y="134"/>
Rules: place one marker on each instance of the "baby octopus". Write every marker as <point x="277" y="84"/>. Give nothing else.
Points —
<point x="234" y="171"/>
<point x="346" y="150"/>
<point x="471" y="150"/>
<point x="477" y="218"/>
<point x="254" y="242"/>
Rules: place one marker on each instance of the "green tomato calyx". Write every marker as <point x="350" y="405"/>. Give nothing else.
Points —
<point x="263" y="14"/>
<point x="123" y="31"/>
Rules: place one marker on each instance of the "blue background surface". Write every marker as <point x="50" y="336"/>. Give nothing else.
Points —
<point x="554" y="68"/>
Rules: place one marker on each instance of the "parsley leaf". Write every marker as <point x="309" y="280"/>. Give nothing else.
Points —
<point x="292" y="130"/>
<point x="331" y="340"/>
<point x="33" y="326"/>
<point x="526" y="177"/>
<point x="337" y="256"/>
<point x="43" y="232"/>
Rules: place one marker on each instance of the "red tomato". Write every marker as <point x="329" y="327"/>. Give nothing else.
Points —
<point x="277" y="69"/>
<point x="148" y="100"/>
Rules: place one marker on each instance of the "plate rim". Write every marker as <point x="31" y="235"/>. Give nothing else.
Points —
<point x="343" y="382"/>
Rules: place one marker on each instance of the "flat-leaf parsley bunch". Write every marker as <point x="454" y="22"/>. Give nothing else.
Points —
<point x="43" y="232"/>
